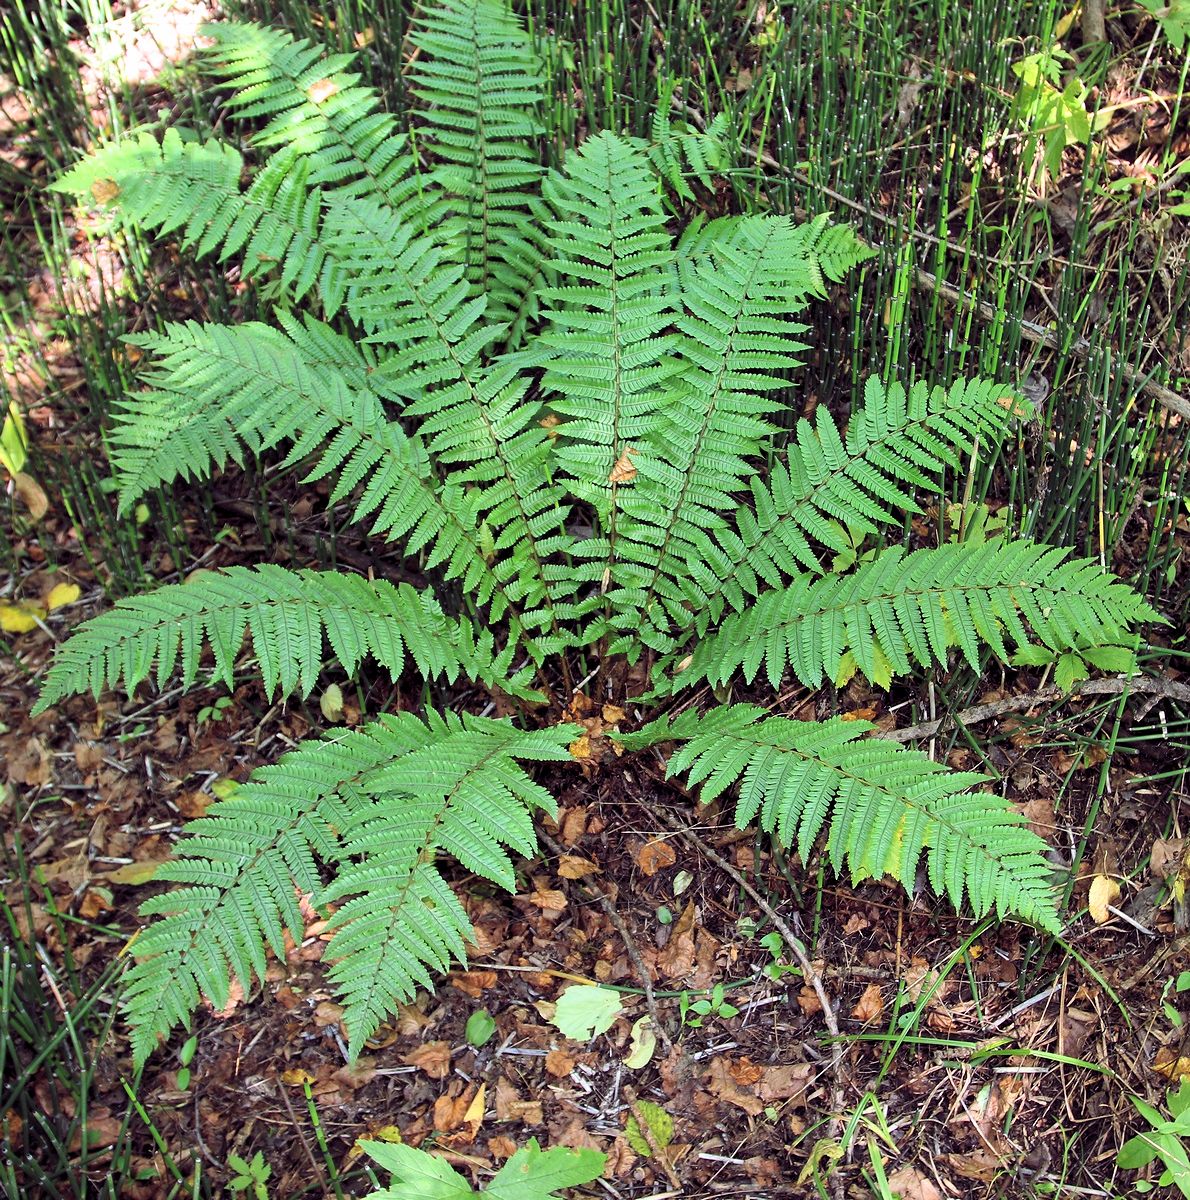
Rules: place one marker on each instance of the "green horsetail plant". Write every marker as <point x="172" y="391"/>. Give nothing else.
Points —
<point x="525" y="380"/>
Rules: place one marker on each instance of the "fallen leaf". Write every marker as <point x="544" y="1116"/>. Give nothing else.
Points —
<point x="235" y="994"/>
<point x="62" y="594"/>
<point x="549" y="900"/>
<point x="624" y="471"/>
<point x="1175" y="1067"/>
<point x="1104" y="891"/>
<point x="134" y="874"/>
<point x="473" y="1117"/>
<point x="787" y="1081"/>
<point x="431" y="1057"/>
<point x="104" y="191"/>
<point x="725" y="1087"/>
<point x="570" y="866"/>
<point x="559" y="1063"/>
<point x="745" y="1072"/>
<point x="660" y="1128"/>
<point x="676" y="960"/>
<point x="472" y="983"/>
<point x="910" y="1184"/>
<point x="510" y="1107"/>
<point x="655" y="856"/>
<point x="870" y="1006"/>
<point x="33" y="495"/>
<point x="642" y="1046"/>
<point x="324" y="89"/>
<point x="580" y="748"/>
<point x="20" y="618"/>
<point x="584" y="1011"/>
<point x="613" y="714"/>
<point x="296" y="1077"/>
<point x="330" y="703"/>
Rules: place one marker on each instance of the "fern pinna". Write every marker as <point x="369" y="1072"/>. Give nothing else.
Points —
<point x="582" y="425"/>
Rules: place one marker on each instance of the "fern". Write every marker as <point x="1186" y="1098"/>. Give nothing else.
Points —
<point x="882" y="806"/>
<point x="247" y="865"/>
<point x="193" y="188"/>
<point x="591" y="430"/>
<point x="899" y="611"/>
<point x="480" y="84"/>
<point x="286" y="614"/>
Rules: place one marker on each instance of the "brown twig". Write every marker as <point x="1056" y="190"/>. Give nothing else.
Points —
<point x="1145" y="686"/>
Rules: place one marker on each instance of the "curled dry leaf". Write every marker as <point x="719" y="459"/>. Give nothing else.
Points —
<point x="655" y="856"/>
<point x="870" y="1006"/>
<point x="624" y="471"/>
<point x="1104" y="891"/>
<point x="431" y="1057"/>
<point x="570" y="866"/>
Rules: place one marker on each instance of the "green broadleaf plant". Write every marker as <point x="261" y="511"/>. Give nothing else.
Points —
<point x="562" y="413"/>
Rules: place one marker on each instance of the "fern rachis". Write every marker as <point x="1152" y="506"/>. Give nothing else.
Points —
<point x="563" y="412"/>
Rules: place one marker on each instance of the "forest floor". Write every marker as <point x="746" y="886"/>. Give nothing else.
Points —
<point x="951" y="1058"/>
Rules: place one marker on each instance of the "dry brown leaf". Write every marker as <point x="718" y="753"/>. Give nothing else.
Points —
<point x="1174" y="1066"/>
<point x="193" y="805"/>
<point x="624" y="471"/>
<point x="981" y="1165"/>
<point x="570" y="866"/>
<point x="472" y="983"/>
<point x="788" y="1081"/>
<point x="721" y="1083"/>
<point x="911" y="1184"/>
<point x="573" y="825"/>
<point x="655" y="856"/>
<point x="613" y="714"/>
<point x="510" y="1107"/>
<point x="502" y="1146"/>
<point x="580" y="748"/>
<point x="807" y="1000"/>
<point x="33" y="495"/>
<point x="431" y="1057"/>
<point x="559" y="1063"/>
<point x="549" y="900"/>
<point x="676" y="959"/>
<point x="744" y="1071"/>
<point x="1104" y="891"/>
<point x="870" y="1006"/>
<point x="235" y="994"/>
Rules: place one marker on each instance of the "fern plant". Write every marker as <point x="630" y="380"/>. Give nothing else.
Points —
<point x="581" y="429"/>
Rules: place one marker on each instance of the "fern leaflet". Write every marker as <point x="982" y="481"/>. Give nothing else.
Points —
<point x="883" y="806"/>
<point x="904" y="610"/>
<point x="286" y="614"/>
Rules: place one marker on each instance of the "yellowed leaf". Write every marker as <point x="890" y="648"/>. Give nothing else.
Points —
<point x="296" y="1077"/>
<point x="20" y="618"/>
<point x="324" y="89"/>
<point x="473" y="1117"/>
<point x="133" y="874"/>
<point x="62" y="594"/>
<point x="104" y="191"/>
<point x="1104" y="891"/>
<point x="1175" y="1067"/>
<point x="32" y="493"/>
<point x="331" y="703"/>
<point x="580" y="748"/>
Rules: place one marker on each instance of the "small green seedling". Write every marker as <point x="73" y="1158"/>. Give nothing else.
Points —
<point x="774" y="943"/>
<point x="1176" y="986"/>
<point x="251" y="1176"/>
<point x="716" y="1006"/>
<point x="186" y="1057"/>
<point x="479" y="1028"/>
<point x="214" y="712"/>
<point x="1164" y="1140"/>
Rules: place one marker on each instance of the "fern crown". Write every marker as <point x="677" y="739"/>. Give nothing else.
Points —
<point x="579" y="427"/>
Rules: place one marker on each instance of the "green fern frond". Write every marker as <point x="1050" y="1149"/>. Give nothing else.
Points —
<point x="192" y="188"/>
<point x="246" y="865"/>
<point x="218" y="389"/>
<point x="883" y="806"/>
<point x="286" y="614"/>
<point x="680" y="151"/>
<point x="904" y="610"/>
<point x="830" y="482"/>
<point x="607" y="352"/>
<point x="476" y="419"/>
<point x="481" y="85"/>
<point x="740" y="347"/>
<point x="317" y="107"/>
<point x="463" y="793"/>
